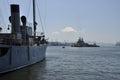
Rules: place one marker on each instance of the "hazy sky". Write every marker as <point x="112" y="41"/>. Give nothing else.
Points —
<point x="67" y="20"/>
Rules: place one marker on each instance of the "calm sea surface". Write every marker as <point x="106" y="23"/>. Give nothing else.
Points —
<point x="70" y="63"/>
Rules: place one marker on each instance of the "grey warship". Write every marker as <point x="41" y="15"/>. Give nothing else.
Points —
<point x="21" y="47"/>
<point x="117" y="44"/>
<point x="81" y="43"/>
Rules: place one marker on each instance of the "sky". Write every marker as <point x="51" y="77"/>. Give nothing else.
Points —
<point x="67" y="20"/>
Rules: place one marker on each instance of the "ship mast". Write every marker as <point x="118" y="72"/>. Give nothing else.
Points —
<point x="34" y="18"/>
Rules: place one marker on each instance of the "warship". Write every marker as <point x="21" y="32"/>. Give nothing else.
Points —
<point x="81" y="43"/>
<point x="21" y="47"/>
<point x="117" y="44"/>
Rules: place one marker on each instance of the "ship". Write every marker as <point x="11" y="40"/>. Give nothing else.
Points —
<point x="117" y="44"/>
<point x="22" y="46"/>
<point x="82" y="43"/>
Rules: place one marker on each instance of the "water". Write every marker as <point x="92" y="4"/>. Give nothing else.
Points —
<point x="70" y="63"/>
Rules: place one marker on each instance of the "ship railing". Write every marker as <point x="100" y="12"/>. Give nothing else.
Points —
<point x="6" y="41"/>
<point x="38" y="33"/>
<point x="39" y="40"/>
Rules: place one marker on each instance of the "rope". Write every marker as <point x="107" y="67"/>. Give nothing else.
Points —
<point x="45" y="25"/>
<point x="28" y="10"/>
<point x="2" y="18"/>
<point x="8" y="2"/>
<point x="8" y="7"/>
<point x="40" y="17"/>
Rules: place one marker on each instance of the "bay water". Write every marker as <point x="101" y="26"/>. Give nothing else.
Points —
<point x="72" y="63"/>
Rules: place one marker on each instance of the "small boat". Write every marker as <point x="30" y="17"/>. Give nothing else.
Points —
<point x="63" y="46"/>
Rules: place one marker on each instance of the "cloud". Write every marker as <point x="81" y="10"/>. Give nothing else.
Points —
<point x="67" y="33"/>
<point x="68" y="29"/>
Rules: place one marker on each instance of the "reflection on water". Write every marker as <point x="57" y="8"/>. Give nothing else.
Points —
<point x="71" y="63"/>
<point x="28" y="73"/>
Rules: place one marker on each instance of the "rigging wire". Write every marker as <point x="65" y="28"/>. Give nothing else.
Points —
<point x="45" y="17"/>
<point x="28" y="10"/>
<point x="40" y="17"/>
<point x="8" y="2"/>
<point x="8" y="6"/>
<point x="2" y="18"/>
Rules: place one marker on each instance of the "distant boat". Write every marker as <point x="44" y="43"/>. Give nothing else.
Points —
<point x="20" y="48"/>
<point x="63" y="46"/>
<point x="117" y="44"/>
<point x="81" y="43"/>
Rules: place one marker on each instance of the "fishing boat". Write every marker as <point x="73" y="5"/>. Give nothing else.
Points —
<point x="21" y="47"/>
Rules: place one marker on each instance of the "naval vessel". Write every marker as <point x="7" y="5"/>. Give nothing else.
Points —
<point x="82" y="43"/>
